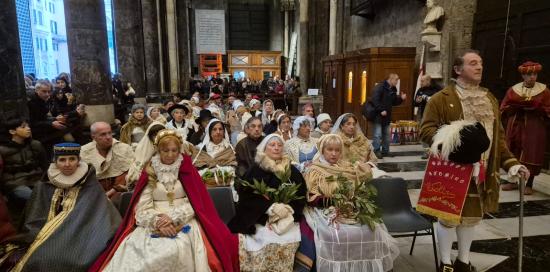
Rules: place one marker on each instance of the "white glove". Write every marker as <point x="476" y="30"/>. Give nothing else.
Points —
<point x="514" y="175"/>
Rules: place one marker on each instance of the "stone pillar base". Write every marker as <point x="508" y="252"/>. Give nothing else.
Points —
<point x="140" y="100"/>
<point x="94" y="113"/>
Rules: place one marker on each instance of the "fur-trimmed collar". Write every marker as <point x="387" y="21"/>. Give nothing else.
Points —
<point x="271" y="165"/>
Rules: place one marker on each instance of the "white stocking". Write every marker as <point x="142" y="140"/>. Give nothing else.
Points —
<point x="445" y="241"/>
<point x="465" y="236"/>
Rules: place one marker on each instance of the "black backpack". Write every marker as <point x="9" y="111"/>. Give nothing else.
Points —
<point x="369" y="111"/>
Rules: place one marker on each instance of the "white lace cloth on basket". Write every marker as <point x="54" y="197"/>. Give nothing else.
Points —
<point x="350" y="248"/>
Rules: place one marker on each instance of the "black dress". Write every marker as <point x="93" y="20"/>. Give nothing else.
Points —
<point x="252" y="207"/>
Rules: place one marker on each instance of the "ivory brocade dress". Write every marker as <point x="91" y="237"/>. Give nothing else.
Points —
<point x="142" y="250"/>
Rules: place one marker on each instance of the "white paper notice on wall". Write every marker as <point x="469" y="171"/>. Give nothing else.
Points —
<point x="312" y="92"/>
<point x="334" y="83"/>
<point x="210" y="31"/>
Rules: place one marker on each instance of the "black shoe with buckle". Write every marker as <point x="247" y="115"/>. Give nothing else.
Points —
<point x="463" y="267"/>
<point x="446" y="267"/>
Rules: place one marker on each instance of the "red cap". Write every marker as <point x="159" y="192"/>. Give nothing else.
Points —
<point x="529" y="67"/>
<point x="215" y="96"/>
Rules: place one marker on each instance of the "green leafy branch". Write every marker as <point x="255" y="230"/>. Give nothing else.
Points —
<point x="285" y="193"/>
<point x="356" y="201"/>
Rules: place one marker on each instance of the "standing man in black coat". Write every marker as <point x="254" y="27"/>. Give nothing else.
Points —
<point x="426" y="90"/>
<point x="384" y="97"/>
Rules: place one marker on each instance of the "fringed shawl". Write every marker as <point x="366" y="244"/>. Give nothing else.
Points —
<point x="318" y="172"/>
<point x="223" y="158"/>
<point x="358" y="148"/>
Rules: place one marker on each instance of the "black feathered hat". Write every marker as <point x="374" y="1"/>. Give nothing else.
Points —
<point x="461" y="141"/>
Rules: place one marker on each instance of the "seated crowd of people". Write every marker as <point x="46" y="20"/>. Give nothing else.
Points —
<point x="283" y="172"/>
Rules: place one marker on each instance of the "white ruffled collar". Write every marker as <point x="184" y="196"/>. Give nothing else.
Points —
<point x="166" y="174"/>
<point x="61" y="181"/>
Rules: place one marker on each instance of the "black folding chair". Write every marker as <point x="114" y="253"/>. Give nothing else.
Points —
<point x="223" y="201"/>
<point x="398" y="213"/>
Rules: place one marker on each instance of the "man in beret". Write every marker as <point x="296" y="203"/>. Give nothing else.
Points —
<point x="526" y="111"/>
<point x="466" y="100"/>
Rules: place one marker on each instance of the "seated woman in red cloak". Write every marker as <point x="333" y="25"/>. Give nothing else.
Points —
<point x="172" y="223"/>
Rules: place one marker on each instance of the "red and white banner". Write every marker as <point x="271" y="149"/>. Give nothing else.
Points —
<point x="444" y="189"/>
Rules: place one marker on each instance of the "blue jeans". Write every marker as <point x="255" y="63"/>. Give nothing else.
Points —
<point x="381" y="133"/>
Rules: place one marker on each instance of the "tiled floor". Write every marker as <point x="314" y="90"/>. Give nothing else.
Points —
<point x="495" y="246"/>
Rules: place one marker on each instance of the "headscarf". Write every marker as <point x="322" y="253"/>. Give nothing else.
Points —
<point x="143" y="153"/>
<point x="298" y="122"/>
<point x="236" y="104"/>
<point x="260" y="150"/>
<point x="206" y="141"/>
<point x="336" y="128"/>
<point x="266" y="119"/>
<point x="159" y="118"/>
<point x="323" y="141"/>
<point x="252" y="102"/>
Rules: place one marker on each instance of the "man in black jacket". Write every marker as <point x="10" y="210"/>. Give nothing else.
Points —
<point x="426" y="90"/>
<point x="384" y="97"/>
<point x="46" y="128"/>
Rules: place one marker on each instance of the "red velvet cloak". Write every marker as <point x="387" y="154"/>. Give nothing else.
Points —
<point x="525" y="124"/>
<point x="222" y="240"/>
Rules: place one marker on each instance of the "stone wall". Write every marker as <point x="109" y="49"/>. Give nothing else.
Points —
<point x="398" y="23"/>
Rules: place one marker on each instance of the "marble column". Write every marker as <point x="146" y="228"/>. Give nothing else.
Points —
<point x="303" y="70"/>
<point x="172" y="47"/>
<point x="184" y="48"/>
<point x="286" y="42"/>
<point x="332" y="27"/>
<point x="129" y="45"/>
<point x="12" y="84"/>
<point x="89" y="58"/>
<point x="151" y="49"/>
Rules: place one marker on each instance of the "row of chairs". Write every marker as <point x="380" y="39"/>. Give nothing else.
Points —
<point x="398" y="215"/>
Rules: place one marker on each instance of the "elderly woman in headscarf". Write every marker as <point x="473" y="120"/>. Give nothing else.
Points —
<point x="301" y="147"/>
<point x="214" y="157"/>
<point x="255" y="106"/>
<point x="132" y="132"/>
<point x="268" y="110"/>
<point x="374" y="250"/>
<point x="357" y="148"/>
<point x="284" y="127"/>
<point x="154" y="113"/>
<point x="269" y="233"/>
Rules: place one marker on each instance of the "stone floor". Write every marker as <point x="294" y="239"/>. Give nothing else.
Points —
<point x="495" y="247"/>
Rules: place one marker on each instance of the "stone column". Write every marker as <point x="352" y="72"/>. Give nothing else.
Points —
<point x="184" y="54"/>
<point x="151" y="49"/>
<point x="286" y="42"/>
<point x="332" y="27"/>
<point x="303" y="70"/>
<point x="89" y="58"/>
<point x="12" y="84"/>
<point x="129" y="45"/>
<point x="172" y="47"/>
